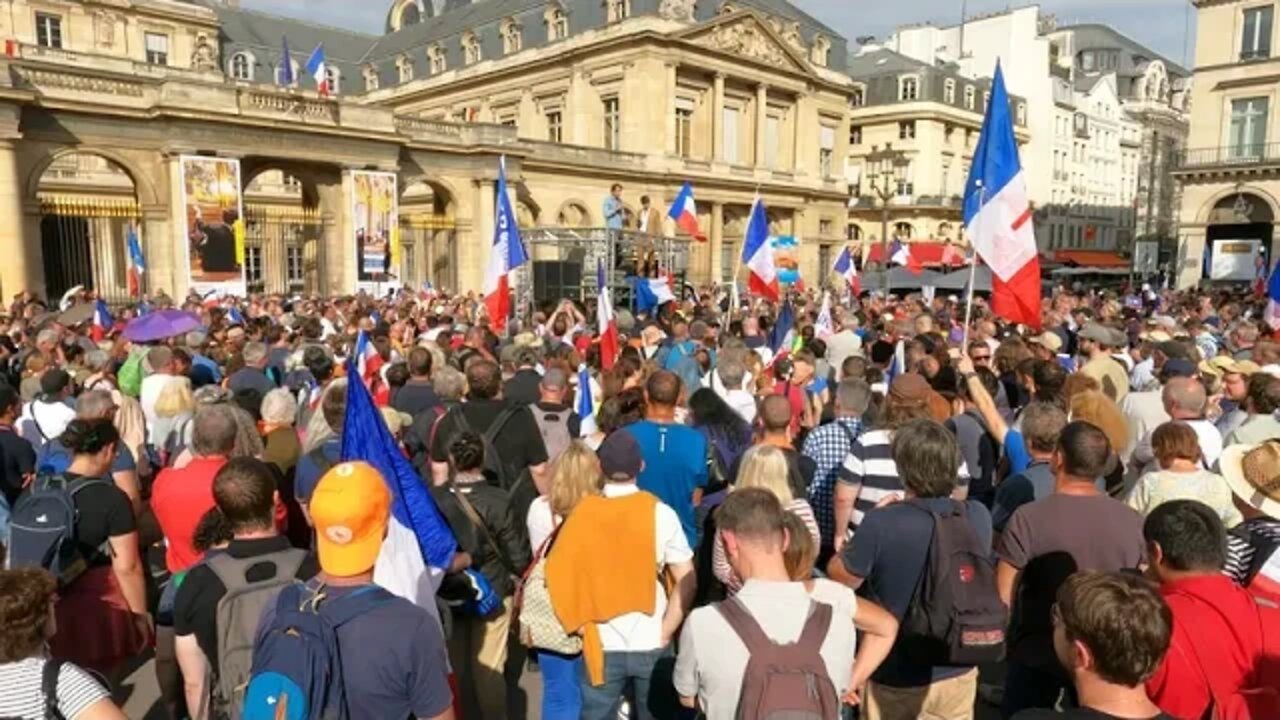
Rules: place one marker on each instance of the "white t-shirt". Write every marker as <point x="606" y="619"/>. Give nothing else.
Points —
<point x="637" y="632"/>
<point x="713" y="659"/>
<point x="151" y="387"/>
<point x="41" y="422"/>
<point x="540" y="522"/>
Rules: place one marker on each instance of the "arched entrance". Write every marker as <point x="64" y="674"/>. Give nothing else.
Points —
<point x="1236" y="222"/>
<point x="88" y="207"/>
<point x="428" y="235"/>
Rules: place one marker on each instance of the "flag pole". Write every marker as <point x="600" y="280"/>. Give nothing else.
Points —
<point x="973" y="272"/>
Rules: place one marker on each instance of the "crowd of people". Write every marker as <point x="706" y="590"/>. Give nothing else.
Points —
<point x="776" y="509"/>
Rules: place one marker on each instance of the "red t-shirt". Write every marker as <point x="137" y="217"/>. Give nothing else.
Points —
<point x="1220" y="635"/>
<point x="180" y="497"/>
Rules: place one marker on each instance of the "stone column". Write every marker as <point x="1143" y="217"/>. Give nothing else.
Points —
<point x="274" y="277"/>
<point x="473" y="252"/>
<point x="717" y="118"/>
<point x="670" y="120"/>
<point x="762" y="118"/>
<point x="717" y="241"/>
<point x="337" y="255"/>
<point x="157" y="230"/>
<point x="23" y="268"/>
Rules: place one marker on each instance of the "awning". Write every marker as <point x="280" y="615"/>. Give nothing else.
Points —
<point x="928" y="253"/>
<point x="1091" y="258"/>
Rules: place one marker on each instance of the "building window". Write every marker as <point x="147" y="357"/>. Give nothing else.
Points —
<point x="1248" y="127"/>
<point x="619" y="10"/>
<point x="293" y="267"/>
<point x="858" y="97"/>
<point x="555" y="126"/>
<point x="280" y="73"/>
<point x="437" y="59"/>
<point x="684" y="128"/>
<point x="825" y="228"/>
<point x="241" y="66"/>
<point x="772" y="130"/>
<point x="471" y="51"/>
<point x="907" y="130"/>
<point x="557" y="24"/>
<point x="410" y="15"/>
<point x="612" y="124"/>
<point x="405" y="67"/>
<point x="728" y="260"/>
<point x="1022" y="114"/>
<point x="855" y="134"/>
<point x="512" y="37"/>
<point x="908" y="88"/>
<point x="903" y="230"/>
<point x="1255" y="39"/>
<point x="949" y="92"/>
<point x="820" y="54"/>
<point x="969" y="94"/>
<point x="826" y="151"/>
<point x="371" y="81"/>
<point x="157" y="48"/>
<point x="332" y="79"/>
<point x="986" y="100"/>
<point x="253" y="266"/>
<point x="48" y="30"/>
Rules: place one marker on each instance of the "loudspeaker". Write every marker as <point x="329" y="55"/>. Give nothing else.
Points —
<point x="554" y="281"/>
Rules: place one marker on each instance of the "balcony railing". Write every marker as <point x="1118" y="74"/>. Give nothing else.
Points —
<point x="1230" y="156"/>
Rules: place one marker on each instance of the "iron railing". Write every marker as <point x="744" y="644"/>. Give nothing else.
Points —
<point x="1230" y="156"/>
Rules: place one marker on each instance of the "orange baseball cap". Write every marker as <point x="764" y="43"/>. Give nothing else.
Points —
<point x="350" y="509"/>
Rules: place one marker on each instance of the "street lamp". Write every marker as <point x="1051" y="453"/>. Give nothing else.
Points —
<point x="887" y="170"/>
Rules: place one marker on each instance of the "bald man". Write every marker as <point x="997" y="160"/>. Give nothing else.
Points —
<point x="1185" y="399"/>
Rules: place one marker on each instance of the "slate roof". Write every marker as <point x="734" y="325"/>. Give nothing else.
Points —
<point x="1093" y="36"/>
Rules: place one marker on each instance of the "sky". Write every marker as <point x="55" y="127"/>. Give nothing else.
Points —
<point x="1158" y="24"/>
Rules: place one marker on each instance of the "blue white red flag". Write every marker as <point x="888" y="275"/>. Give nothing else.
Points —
<point x="316" y="68"/>
<point x="507" y="254"/>
<point x="998" y="215"/>
<point x="137" y="263"/>
<point x="684" y="210"/>
<point x="606" y="325"/>
<point x="234" y="316"/>
<point x="584" y="405"/>
<point x="102" y="321"/>
<point x="651" y="293"/>
<point x="368" y="359"/>
<point x="757" y="254"/>
<point x="419" y="544"/>
<point x="846" y="269"/>
<point x="1272" y="314"/>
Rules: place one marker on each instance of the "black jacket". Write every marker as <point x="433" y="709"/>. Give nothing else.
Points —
<point x="494" y="508"/>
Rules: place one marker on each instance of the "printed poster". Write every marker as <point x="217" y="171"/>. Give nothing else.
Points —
<point x="214" y="232"/>
<point x="376" y="220"/>
<point x="1234" y="260"/>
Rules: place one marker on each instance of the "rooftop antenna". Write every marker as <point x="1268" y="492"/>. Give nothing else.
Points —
<point x="964" y="13"/>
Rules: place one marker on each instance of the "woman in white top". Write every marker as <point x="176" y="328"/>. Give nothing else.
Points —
<point x="27" y="622"/>
<point x="1182" y="476"/>
<point x="175" y="409"/>
<point x="574" y="475"/>
<point x="763" y="466"/>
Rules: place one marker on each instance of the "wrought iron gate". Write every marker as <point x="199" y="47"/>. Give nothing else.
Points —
<point x="428" y="246"/>
<point x="83" y="242"/>
<point x="282" y="249"/>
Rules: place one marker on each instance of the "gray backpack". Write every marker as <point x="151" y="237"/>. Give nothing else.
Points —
<point x="554" y="428"/>
<point x="238" y="614"/>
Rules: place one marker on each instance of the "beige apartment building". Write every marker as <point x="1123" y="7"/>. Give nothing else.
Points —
<point x="1230" y="173"/>
<point x="101" y="100"/>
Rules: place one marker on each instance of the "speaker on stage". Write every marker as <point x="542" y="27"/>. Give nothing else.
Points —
<point x="556" y="280"/>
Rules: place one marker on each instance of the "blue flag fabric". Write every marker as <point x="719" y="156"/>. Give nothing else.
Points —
<point x="365" y="437"/>
<point x="785" y="323"/>
<point x="285" y="75"/>
<point x="506" y="223"/>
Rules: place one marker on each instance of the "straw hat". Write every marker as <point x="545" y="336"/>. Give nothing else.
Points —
<point x="1253" y="473"/>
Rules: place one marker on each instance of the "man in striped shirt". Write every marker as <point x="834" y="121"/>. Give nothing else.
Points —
<point x="1253" y="547"/>
<point x="869" y="475"/>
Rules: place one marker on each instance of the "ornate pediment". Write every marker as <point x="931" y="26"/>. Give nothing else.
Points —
<point x="743" y="34"/>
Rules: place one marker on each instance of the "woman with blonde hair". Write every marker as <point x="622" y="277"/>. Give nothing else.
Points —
<point x="175" y="409"/>
<point x="763" y="466"/>
<point x="574" y="475"/>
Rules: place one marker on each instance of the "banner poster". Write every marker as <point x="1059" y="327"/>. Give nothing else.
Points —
<point x="376" y="221"/>
<point x="1234" y="260"/>
<point x="214" y="232"/>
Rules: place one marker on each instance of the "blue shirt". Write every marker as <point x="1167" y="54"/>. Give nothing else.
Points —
<point x="614" y="216"/>
<point x="55" y="454"/>
<point x="1015" y="450"/>
<point x="308" y="473"/>
<point x="203" y="362"/>
<point x="675" y="465"/>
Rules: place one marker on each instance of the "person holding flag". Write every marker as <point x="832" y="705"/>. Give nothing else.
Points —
<point x="845" y="268"/>
<point x="102" y="321"/>
<point x="607" y="325"/>
<point x="998" y="215"/>
<point x="506" y="254"/>
<point x="757" y="254"/>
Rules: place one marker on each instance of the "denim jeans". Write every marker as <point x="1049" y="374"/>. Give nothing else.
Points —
<point x="561" y="695"/>
<point x="648" y="676"/>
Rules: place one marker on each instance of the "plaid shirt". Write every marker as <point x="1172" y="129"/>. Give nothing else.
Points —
<point x="828" y="446"/>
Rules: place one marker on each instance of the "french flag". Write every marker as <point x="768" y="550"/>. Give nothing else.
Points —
<point x="1272" y="314"/>
<point x="102" y="321"/>
<point x="685" y="212"/>
<point x="652" y="293"/>
<point x="584" y="405"/>
<point x="137" y="263"/>
<point x="998" y="215"/>
<point x="234" y="316"/>
<point x="316" y="69"/>
<point x="757" y="254"/>
<point x="607" y="326"/>
<point x="368" y="359"/>
<point x="507" y="254"/>
<point x="824" y="325"/>
<point x="846" y="269"/>
<point x="900" y="254"/>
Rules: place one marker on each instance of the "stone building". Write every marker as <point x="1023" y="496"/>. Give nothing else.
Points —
<point x="101" y="101"/>
<point x="1230" y="172"/>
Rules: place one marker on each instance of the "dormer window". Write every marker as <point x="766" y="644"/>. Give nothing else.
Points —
<point x="404" y="66"/>
<point x="471" y="51"/>
<point x="820" y="53"/>
<point x="512" y="36"/>
<point x="436" y="57"/>
<point x="242" y="66"/>
<point x="908" y="88"/>
<point x="557" y="23"/>
<point x="858" y="97"/>
<point x="618" y="10"/>
<point x="970" y="95"/>
<point x="371" y="81"/>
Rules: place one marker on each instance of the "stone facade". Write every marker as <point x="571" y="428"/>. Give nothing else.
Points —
<point x="737" y="98"/>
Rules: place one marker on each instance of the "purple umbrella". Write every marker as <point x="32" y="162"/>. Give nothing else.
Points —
<point x="160" y="325"/>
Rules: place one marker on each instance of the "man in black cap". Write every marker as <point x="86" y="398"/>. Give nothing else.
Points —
<point x="44" y="418"/>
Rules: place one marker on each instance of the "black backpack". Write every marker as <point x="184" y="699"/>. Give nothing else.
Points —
<point x="42" y="528"/>
<point x="955" y="616"/>
<point x="494" y="468"/>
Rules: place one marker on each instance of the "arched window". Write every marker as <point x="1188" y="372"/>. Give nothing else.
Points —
<point x="944" y="230"/>
<point x="439" y="62"/>
<point x="242" y="66"/>
<point x="410" y="15"/>
<point x="512" y="36"/>
<point x="371" y="81"/>
<point x="332" y="78"/>
<point x="471" y="52"/>
<point x="405" y="68"/>
<point x="557" y="23"/>
<point x="821" y="51"/>
<point x="618" y="10"/>
<point x="904" y="230"/>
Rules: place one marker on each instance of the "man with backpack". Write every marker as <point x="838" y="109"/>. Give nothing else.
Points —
<point x="1224" y="655"/>
<point x="558" y="424"/>
<point x="899" y="559"/>
<point x="339" y="646"/>
<point x="218" y="605"/>
<point x="44" y="418"/>
<point x="771" y="647"/>
<point x="1078" y="527"/>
